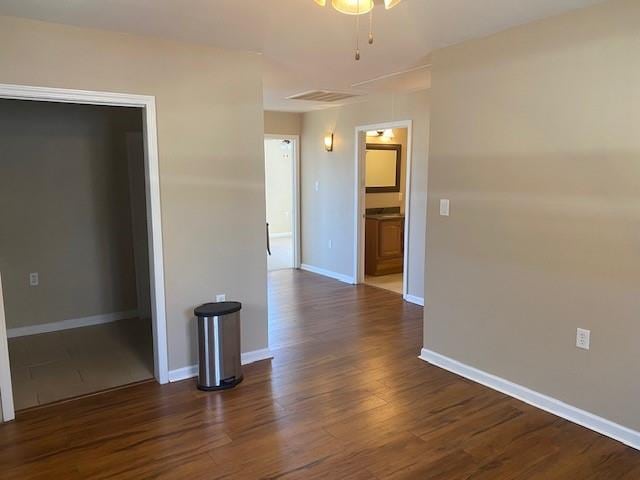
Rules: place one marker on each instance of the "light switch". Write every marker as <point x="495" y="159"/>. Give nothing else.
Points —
<point x="317" y="185"/>
<point x="444" y="207"/>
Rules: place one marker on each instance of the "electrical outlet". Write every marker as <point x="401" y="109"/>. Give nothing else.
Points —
<point x="330" y="244"/>
<point x="221" y="297"/>
<point x="34" y="279"/>
<point x="317" y="185"/>
<point x="583" y="338"/>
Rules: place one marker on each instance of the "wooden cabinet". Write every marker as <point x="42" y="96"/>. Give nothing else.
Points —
<point x="384" y="244"/>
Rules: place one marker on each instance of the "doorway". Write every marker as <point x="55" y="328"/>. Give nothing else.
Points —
<point x="383" y="183"/>
<point x="149" y="253"/>
<point x="281" y="195"/>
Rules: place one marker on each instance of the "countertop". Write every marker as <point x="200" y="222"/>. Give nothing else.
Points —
<point x="386" y="216"/>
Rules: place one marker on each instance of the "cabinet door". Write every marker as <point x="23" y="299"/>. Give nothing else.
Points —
<point x="390" y="238"/>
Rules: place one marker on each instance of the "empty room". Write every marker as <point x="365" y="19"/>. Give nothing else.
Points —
<point x="320" y="239"/>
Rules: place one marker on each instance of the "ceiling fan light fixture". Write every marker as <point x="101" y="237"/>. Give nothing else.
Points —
<point x="357" y="8"/>
<point x="352" y="7"/>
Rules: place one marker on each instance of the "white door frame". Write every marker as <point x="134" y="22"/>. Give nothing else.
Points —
<point x="6" y="389"/>
<point x="154" y="225"/>
<point x="295" y="139"/>
<point x="360" y="197"/>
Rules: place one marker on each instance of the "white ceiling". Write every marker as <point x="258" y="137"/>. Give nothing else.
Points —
<point x="305" y="46"/>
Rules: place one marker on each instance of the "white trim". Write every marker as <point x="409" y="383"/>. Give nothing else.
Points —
<point x="296" y="194"/>
<point x="359" y="204"/>
<point x="256" y="356"/>
<point x="360" y="200"/>
<point x="154" y="226"/>
<point x="152" y="190"/>
<point x="280" y="235"/>
<point x="6" y="389"/>
<point x="63" y="95"/>
<point x="70" y="323"/>
<point x="183" y="373"/>
<point x="328" y="273"/>
<point x="549" y="404"/>
<point x="414" y="299"/>
<point x="192" y="370"/>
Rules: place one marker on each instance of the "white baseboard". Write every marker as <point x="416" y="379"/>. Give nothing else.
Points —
<point x="183" y="373"/>
<point x="280" y="235"/>
<point x="256" y="356"/>
<point x="328" y="273"/>
<point x="568" y="412"/>
<point x="71" y="323"/>
<point x="414" y="299"/>
<point x="192" y="370"/>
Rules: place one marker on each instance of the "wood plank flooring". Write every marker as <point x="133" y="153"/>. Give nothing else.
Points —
<point x="345" y="397"/>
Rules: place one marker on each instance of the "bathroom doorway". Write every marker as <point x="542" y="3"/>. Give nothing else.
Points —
<point x="281" y="195"/>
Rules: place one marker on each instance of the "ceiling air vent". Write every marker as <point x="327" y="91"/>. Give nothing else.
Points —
<point x="321" y="96"/>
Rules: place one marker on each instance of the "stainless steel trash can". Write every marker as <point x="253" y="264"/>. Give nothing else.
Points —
<point x="219" y="345"/>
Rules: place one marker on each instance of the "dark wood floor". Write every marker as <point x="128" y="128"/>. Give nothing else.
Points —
<point x="345" y="397"/>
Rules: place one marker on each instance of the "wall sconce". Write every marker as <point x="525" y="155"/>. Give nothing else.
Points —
<point x="328" y="142"/>
<point x="388" y="134"/>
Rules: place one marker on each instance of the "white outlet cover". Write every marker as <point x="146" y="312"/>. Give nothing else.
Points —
<point x="583" y="338"/>
<point x="34" y="279"/>
<point x="221" y="297"/>
<point x="444" y="207"/>
<point x="317" y="185"/>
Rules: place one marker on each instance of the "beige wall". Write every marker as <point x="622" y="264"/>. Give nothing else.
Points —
<point x="391" y="199"/>
<point x="210" y="139"/>
<point x="282" y="123"/>
<point x="65" y="211"/>
<point x="535" y="140"/>
<point x="328" y="214"/>
<point x="279" y="186"/>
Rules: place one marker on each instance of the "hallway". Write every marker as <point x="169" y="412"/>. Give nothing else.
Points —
<point x="344" y="397"/>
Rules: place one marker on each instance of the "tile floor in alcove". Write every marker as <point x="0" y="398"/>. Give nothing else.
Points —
<point x="391" y="282"/>
<point x="53" y="366"/>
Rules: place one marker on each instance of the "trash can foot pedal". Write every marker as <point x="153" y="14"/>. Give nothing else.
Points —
<point x="223" y="386"/>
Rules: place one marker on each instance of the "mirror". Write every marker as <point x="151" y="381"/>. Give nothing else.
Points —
<point x="382" y="168"/>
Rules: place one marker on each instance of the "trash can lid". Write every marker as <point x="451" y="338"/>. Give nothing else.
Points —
<point x="215" y="309"/>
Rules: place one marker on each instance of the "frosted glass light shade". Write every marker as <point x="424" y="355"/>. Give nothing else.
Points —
<point x="352" y="7"/>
